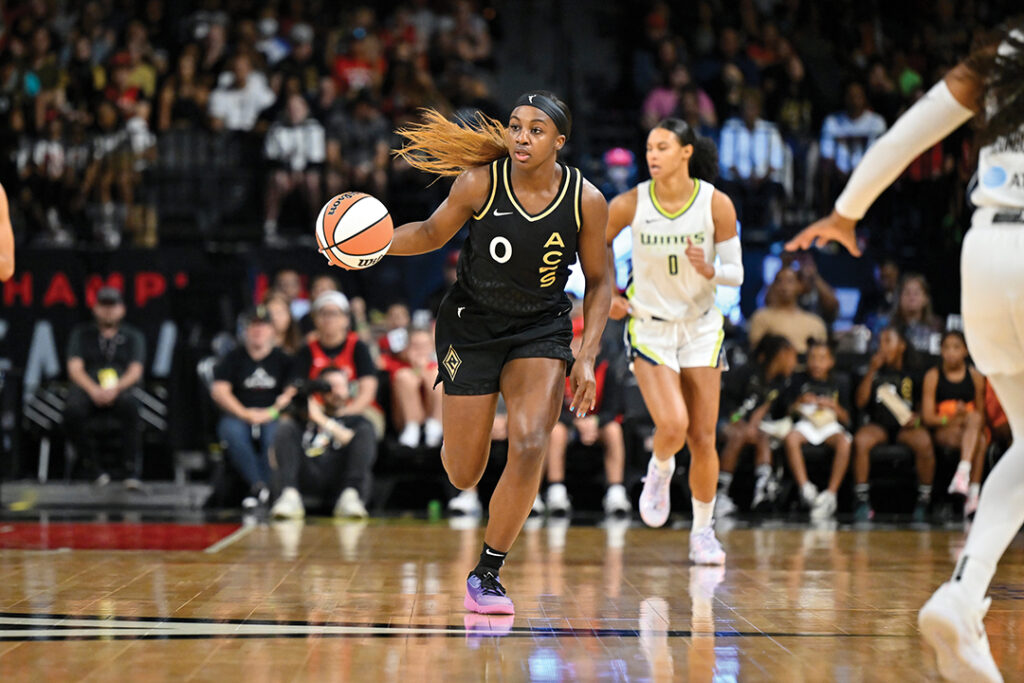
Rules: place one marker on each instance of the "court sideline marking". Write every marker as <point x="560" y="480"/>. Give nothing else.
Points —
<point x="50" y="627"/>
<point x="236" y="535"/>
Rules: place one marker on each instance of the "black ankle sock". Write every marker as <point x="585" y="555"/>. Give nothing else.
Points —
<point x="490" y="561"/>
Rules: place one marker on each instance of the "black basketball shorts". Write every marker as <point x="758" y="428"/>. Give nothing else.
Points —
<point x="474" y="343"/>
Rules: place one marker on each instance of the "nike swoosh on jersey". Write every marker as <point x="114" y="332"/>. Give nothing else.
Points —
<point x="460" y="310"/>
<point x="502" y="213"/>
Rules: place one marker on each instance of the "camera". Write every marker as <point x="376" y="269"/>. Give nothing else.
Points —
<point x="308" y="387"/>
<point x="304" y="388"/>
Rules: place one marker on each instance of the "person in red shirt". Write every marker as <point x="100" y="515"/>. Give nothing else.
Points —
<point x="416" y="402"/>
<point x="335" y="345"/>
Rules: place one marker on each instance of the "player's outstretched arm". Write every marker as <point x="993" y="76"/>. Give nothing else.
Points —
<point x="621" y="210"/>
<point x="6" y="239"/>
<point x="469" y="192"/>
<point x="948" y="105"/>
<point x="593" y="253"/>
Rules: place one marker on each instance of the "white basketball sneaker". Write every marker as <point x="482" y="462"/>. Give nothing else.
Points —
<point x="558" y="501"/>
<point x="952" y="624"/>
<point x="654" y="499"/>
<point x="467" y="503"/>
<point x="289" y="505"/>
<point x="616" y="502"/>
<point x="705" y="548"/>
<point x="824" y="506"/>
<point x="349" y="504"/>
<point x="724" y="505"/>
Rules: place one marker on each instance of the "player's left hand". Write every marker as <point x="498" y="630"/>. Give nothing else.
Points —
<point x="698" y="260"/>
<point x="828" y="229"/>
<point x="583" y="385"/>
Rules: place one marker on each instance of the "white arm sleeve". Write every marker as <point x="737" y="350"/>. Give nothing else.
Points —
<point x="730" y="271"/>
<point x="931" y="119"/>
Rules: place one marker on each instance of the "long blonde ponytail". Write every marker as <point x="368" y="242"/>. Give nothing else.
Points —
<point x="445" y="148"/>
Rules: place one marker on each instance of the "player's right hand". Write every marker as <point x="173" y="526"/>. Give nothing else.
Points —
<point x="619" y="309"/>
<point x="832" y="228"/>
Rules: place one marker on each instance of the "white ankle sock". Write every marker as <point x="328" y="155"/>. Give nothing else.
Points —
<point x="666" y="466"/>
<point x="964" y="466"/>
<point x="702" y="514"/>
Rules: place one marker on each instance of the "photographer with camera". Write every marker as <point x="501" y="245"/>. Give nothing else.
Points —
<point x="335" y="345"/>
<point x="250" y="384"/>
<point x="321" y="449"/>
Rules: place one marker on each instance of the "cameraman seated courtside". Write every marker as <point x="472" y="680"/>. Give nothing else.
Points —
<point x="333" y="344"/>
<point x="105" y="360"/>
<point x="250" y="384"/>
<point x="321" y="450"/>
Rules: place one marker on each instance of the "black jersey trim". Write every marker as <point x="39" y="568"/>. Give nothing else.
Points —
<point x="576" y="200"/>
<point x="494" y="189"/>
<point x="551" y="207"/>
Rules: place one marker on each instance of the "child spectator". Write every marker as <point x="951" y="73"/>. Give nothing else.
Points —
<point x="416" y="401"/>
<point x="822" y="408"/>
<point x="765" y="382"/>
<point x="952" y="404"/>
<point x="888" y="394"/>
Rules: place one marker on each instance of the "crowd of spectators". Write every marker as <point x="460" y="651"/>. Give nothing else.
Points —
<point x="795" y="92"/>
<point x="792" y="92"/>
<point x="87" y="90"/>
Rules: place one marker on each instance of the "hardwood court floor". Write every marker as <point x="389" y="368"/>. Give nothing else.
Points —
<point x="382" y="601"/>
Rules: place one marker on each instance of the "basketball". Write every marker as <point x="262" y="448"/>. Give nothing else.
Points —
<point x="354" y="230"/>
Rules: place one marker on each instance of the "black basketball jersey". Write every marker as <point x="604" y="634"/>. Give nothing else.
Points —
<point x="516" y="263"/>
<point x="947" y="390"/>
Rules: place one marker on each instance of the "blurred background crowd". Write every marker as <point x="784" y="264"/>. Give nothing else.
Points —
<point x="223" y="125"/>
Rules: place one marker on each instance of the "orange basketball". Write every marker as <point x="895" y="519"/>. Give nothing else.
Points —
<point x="354" y="230"/>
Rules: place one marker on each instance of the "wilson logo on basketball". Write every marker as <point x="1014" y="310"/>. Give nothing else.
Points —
<point x="353" y="230"/>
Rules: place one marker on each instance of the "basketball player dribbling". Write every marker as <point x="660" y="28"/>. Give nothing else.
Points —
<point x="680" y="223"/>
<point x="990" y="81"/>
<point x="504" y="326"/>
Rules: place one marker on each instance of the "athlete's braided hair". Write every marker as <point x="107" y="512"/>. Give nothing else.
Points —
<point x="1000" y="61"/>
<point x="446" y="148"/>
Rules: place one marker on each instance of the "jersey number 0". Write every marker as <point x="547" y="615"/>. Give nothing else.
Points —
<point x="505" y="247"/>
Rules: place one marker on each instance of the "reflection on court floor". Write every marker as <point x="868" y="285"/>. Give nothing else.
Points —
<point x="383" y="601"/>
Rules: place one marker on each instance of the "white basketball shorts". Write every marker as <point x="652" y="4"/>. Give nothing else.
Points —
<point x="695" y="343"/>
<point x="992" y="270"/>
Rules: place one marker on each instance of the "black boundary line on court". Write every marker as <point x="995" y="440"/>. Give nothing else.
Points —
<point x="444" y="631"/>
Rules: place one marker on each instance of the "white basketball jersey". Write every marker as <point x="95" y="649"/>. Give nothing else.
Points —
<point x="1001" y="173"/>
<point x="1001" y="166"/>
<point x="664" y="284"/>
